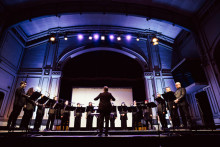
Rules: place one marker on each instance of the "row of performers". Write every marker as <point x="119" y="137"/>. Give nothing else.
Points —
<point x="28" y="101"/>
<point x="60" y="110"/>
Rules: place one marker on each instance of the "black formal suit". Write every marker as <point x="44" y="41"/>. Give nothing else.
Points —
<point x="123" y="117"/>
<point x="135" y="116"/>
<point x="147" y="114"/>
<point x="113" y="116"/>
<point x="172" y="107"/>
<point x="161" y="111"/>
<point x="104" y="109"/>
<point x="182" y="104"/>
<point x="28" y="113"/>
<point x="65" y="114"/>
<point x="89" y="117"/>
<point x="78" y="116"/>
<point x="19" y="102"/>
<point x="39" y="116"/>
<point x="52" y="114"/>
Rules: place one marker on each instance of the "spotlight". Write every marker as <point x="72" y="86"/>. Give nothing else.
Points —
<point x="119" y="38"/>
<point x="65" y="37"/>
<point x="90" y="37"/>
<point x="128" y="37"/>
<point x="154" y="39"/>
<point x="111" y="37"/>
<point x="137" y="39"/>
<point x="80" y="37"/>
<point x="52" y="38"/>
<point x="102" y="37"/>
<point x="155" y="43"/>
<point x="96" y="36"/>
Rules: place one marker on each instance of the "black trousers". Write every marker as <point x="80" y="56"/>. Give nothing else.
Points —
<point x="14" y="115"/>
<point x="89" y="122"/>
<point x="174" y="114"/>
<point x="112" y="122"/>
<point x="26" y="119"/>
<point x="123" y="122"/>
<point x="77" y="122"/>
<point x="184" y="112"/>
<point x="50" y="121"/>
<point x="64" y="122"/>
<point x="162" y="118"/>
<point x="134" y="121"/>
<point x="38" y="120"/>
<point x="104" y="115"/>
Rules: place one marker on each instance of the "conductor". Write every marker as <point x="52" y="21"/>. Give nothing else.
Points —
<point x="105" y="109"/>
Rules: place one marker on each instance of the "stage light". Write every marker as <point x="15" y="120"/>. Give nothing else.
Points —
<point x="128" y="37"/>
<point x="155" y="43"/>
<point x="65" y="37"/>
<point x="154" y="39"/>
<point x="137" y="39"/>
<point x="111" y="37"/>
<point x="52" y="38"/>
<point x="90" y="37"/>
<point x="80" y="37"/>
<point x="96" y="36"/>
<point x="119" y="38"/>
<point x="102" y="37"/>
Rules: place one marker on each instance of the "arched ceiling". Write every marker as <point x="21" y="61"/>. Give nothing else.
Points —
<point x="42" y="24"/>
<point x="168" y="17"/>
<point x="181" y="6"/>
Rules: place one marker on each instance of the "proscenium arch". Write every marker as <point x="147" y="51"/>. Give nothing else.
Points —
<point x="81" y="50"/>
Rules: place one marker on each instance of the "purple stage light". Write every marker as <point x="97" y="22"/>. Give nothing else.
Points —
<point x="96" y="36"/>
<point x="80" y="36"/>
<point x="128" y="37"/>
<point x="111" y="37"/>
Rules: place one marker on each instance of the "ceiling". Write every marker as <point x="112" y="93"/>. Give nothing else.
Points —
<point x="180" y="6"/>
<point x="22" y="11"/>
<point x="42" y="24"/>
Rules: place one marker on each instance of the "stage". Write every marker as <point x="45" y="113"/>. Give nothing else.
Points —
<point x="176" y="137"/>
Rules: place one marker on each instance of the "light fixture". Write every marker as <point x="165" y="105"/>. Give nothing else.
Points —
<point x="90" y="37"/>
<point x="154" y="39"/>
<point x="128" y="37"/>
<point x="65" y="37"/>
<point x="119" y="38"/>
<point x="102" y="37"/>
<point x="96" y="36"/>
<point x="111" y="37"/>
<point x="80" y="37"/>
<point x="52" y="38"/>
<point x="155" y="43"/>
<point x="137" y="39"/>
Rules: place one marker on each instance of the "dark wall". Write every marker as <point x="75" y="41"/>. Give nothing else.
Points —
<point x="97" y="69"/>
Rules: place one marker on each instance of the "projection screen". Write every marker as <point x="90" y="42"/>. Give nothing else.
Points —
<point x="84" y="95"/>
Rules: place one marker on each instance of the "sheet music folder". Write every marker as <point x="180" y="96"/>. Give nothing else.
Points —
<point x="35" y="96"/>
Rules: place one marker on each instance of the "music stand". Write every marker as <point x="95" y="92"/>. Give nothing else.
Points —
<point x="51" y="102"/>
<point x="159" y="99"/>
<point x="122" y="108"/>
<point x="70" y="108"/>
<point x="43" y="100"/>
<point x="151" y="104"/>
<point x="169" y="96"/>
<point x="80" y="109"/>
<point x="90" y="108"/>
<point x="35" y="96"/>
<point x="132" y="109"/>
